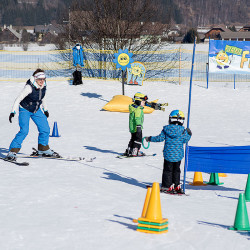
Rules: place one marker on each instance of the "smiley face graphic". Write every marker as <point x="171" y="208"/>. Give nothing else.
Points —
<point x="222" y="58"/>
<point x="123" y="59"/>
<point x="136" y="70"/>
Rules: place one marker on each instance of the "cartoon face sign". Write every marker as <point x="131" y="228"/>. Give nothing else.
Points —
<point x="136" y="70"/>
<point x="123" y="59"/>
<point x="222" y="58"/>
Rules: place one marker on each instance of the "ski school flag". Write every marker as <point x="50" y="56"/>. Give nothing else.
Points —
<point x="231" y="57"/>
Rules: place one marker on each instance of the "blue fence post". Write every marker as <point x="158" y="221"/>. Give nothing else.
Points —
<point x="207" y="74"/>
<point x="189" y="107"/>
<point x="208" y="63"/>
<point x="234" y="81"/>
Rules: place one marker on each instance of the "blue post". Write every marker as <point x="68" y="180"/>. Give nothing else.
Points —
<point x="234" y="81"/>
<point x="189" y="106"/>
<point x="208" y="63"/>
<point x="207" y="74"/>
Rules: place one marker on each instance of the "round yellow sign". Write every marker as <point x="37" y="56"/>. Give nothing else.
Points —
<point x="123" y="59"/>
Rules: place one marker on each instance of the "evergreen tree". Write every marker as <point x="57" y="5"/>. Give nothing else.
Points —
<point x="191" y="35"/>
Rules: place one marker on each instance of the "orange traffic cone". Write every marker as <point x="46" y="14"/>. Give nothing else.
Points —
<point x="198" y="180"/>
<point x="145" y="206"/>
<point x="154" y="206"/>
<point x="153" y="221"/>
<point x="222" y="175"/>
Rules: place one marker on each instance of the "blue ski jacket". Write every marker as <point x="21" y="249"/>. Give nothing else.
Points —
<point x="78" y="56"/>
<point x="175" y="137"/>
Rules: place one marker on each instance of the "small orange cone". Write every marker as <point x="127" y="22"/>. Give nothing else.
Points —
<point x="198" y="180"/>
<point x="222" y="175"/>
<point x="154" y="206"/>
<point x="153" y="221"/>
<point x="145" y="206"/>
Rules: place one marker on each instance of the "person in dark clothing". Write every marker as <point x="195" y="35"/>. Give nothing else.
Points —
<point x="175" y="136"/>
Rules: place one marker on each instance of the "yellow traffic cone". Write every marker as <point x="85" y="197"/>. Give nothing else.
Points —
<point x="198" y="180"/>
<point x="154" y="206"/>
<point x="145" y="206"/>
<point x="222" y="175"/>
<point x="153" y="221"/>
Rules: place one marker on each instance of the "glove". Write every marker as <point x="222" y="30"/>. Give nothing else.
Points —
<point x="147" y="139"/>
<point x="138" y="129"/>
<point x="46" y="113"/>
<point x="11" y="116"/>
<point x="189" y="131"/>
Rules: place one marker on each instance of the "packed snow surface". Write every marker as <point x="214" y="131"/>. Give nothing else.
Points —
<point x="62" y="205"/>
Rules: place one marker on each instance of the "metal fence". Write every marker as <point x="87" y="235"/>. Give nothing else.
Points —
<point x="164" y="65"/>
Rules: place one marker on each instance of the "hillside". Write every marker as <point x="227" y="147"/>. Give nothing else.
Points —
<point x="203" y="12"/>
<point x="191" y="13"/>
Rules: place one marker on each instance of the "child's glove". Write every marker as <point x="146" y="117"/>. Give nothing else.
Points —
<point x="138" y="128"/>
<point x="46" y="113"/>
<point x="11" y="116"/>
<point x="189" y="131"/>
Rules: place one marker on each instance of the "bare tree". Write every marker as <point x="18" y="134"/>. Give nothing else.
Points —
<point x="118" y="24"/>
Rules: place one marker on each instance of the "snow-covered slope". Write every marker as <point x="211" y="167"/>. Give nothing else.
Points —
<point x="78" y="205"/>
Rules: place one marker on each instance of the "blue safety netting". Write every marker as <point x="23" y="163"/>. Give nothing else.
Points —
<point x="234" y="159"/>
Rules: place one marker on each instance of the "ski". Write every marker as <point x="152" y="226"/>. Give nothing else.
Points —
<point x="77" y="159"/>
<point x="156" y="106"/>
<point x="174" y="194"/>
<point x="57" y="157"/>
<point x="16" y="162"/>
<point x="124" y="156"/>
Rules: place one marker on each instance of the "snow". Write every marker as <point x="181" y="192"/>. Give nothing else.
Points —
<point x="30" y="47"/>
<point x="63" y="205"/>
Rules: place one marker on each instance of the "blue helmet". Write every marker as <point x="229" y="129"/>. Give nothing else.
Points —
<point x="176" y="117"/>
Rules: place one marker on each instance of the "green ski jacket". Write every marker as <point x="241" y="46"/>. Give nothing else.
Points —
<point x="136" y="117"/>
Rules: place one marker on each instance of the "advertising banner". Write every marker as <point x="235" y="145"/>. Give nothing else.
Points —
<point x="231" y="57"/>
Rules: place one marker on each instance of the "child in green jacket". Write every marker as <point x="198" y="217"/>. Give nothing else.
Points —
<point x="136" y="118"/>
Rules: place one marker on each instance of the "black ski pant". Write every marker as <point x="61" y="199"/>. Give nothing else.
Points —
<point x="171" y="173"/>
<point x="136" y="140"/>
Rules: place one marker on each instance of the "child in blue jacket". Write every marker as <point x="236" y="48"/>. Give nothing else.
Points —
<point x="175" y="137"/>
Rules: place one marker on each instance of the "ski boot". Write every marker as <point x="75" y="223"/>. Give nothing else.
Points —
<point x="46" y="153"/>
<point x="170" y="190"/>
<point x="11" y="156"/>
<point x="127" y="152"/>
<point x="140" y="153"/>
<point x="179" y="190"/>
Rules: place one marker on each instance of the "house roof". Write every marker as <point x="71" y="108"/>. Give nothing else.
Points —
<point x="222" y="27"/>
<point x="15" y="33"/>
<point x="235" y="35"/>
<point x="55" y="28"/>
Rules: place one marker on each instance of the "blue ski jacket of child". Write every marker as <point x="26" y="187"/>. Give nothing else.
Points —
<point x="175" y="136"/>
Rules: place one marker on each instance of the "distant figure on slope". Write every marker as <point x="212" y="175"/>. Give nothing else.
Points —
<point x="174" y="136"/>
<point x="136" y="118"/>
<point x="29" y="102"/>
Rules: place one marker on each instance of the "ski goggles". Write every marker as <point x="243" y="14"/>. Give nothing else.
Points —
<point x="40" y="76"/>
